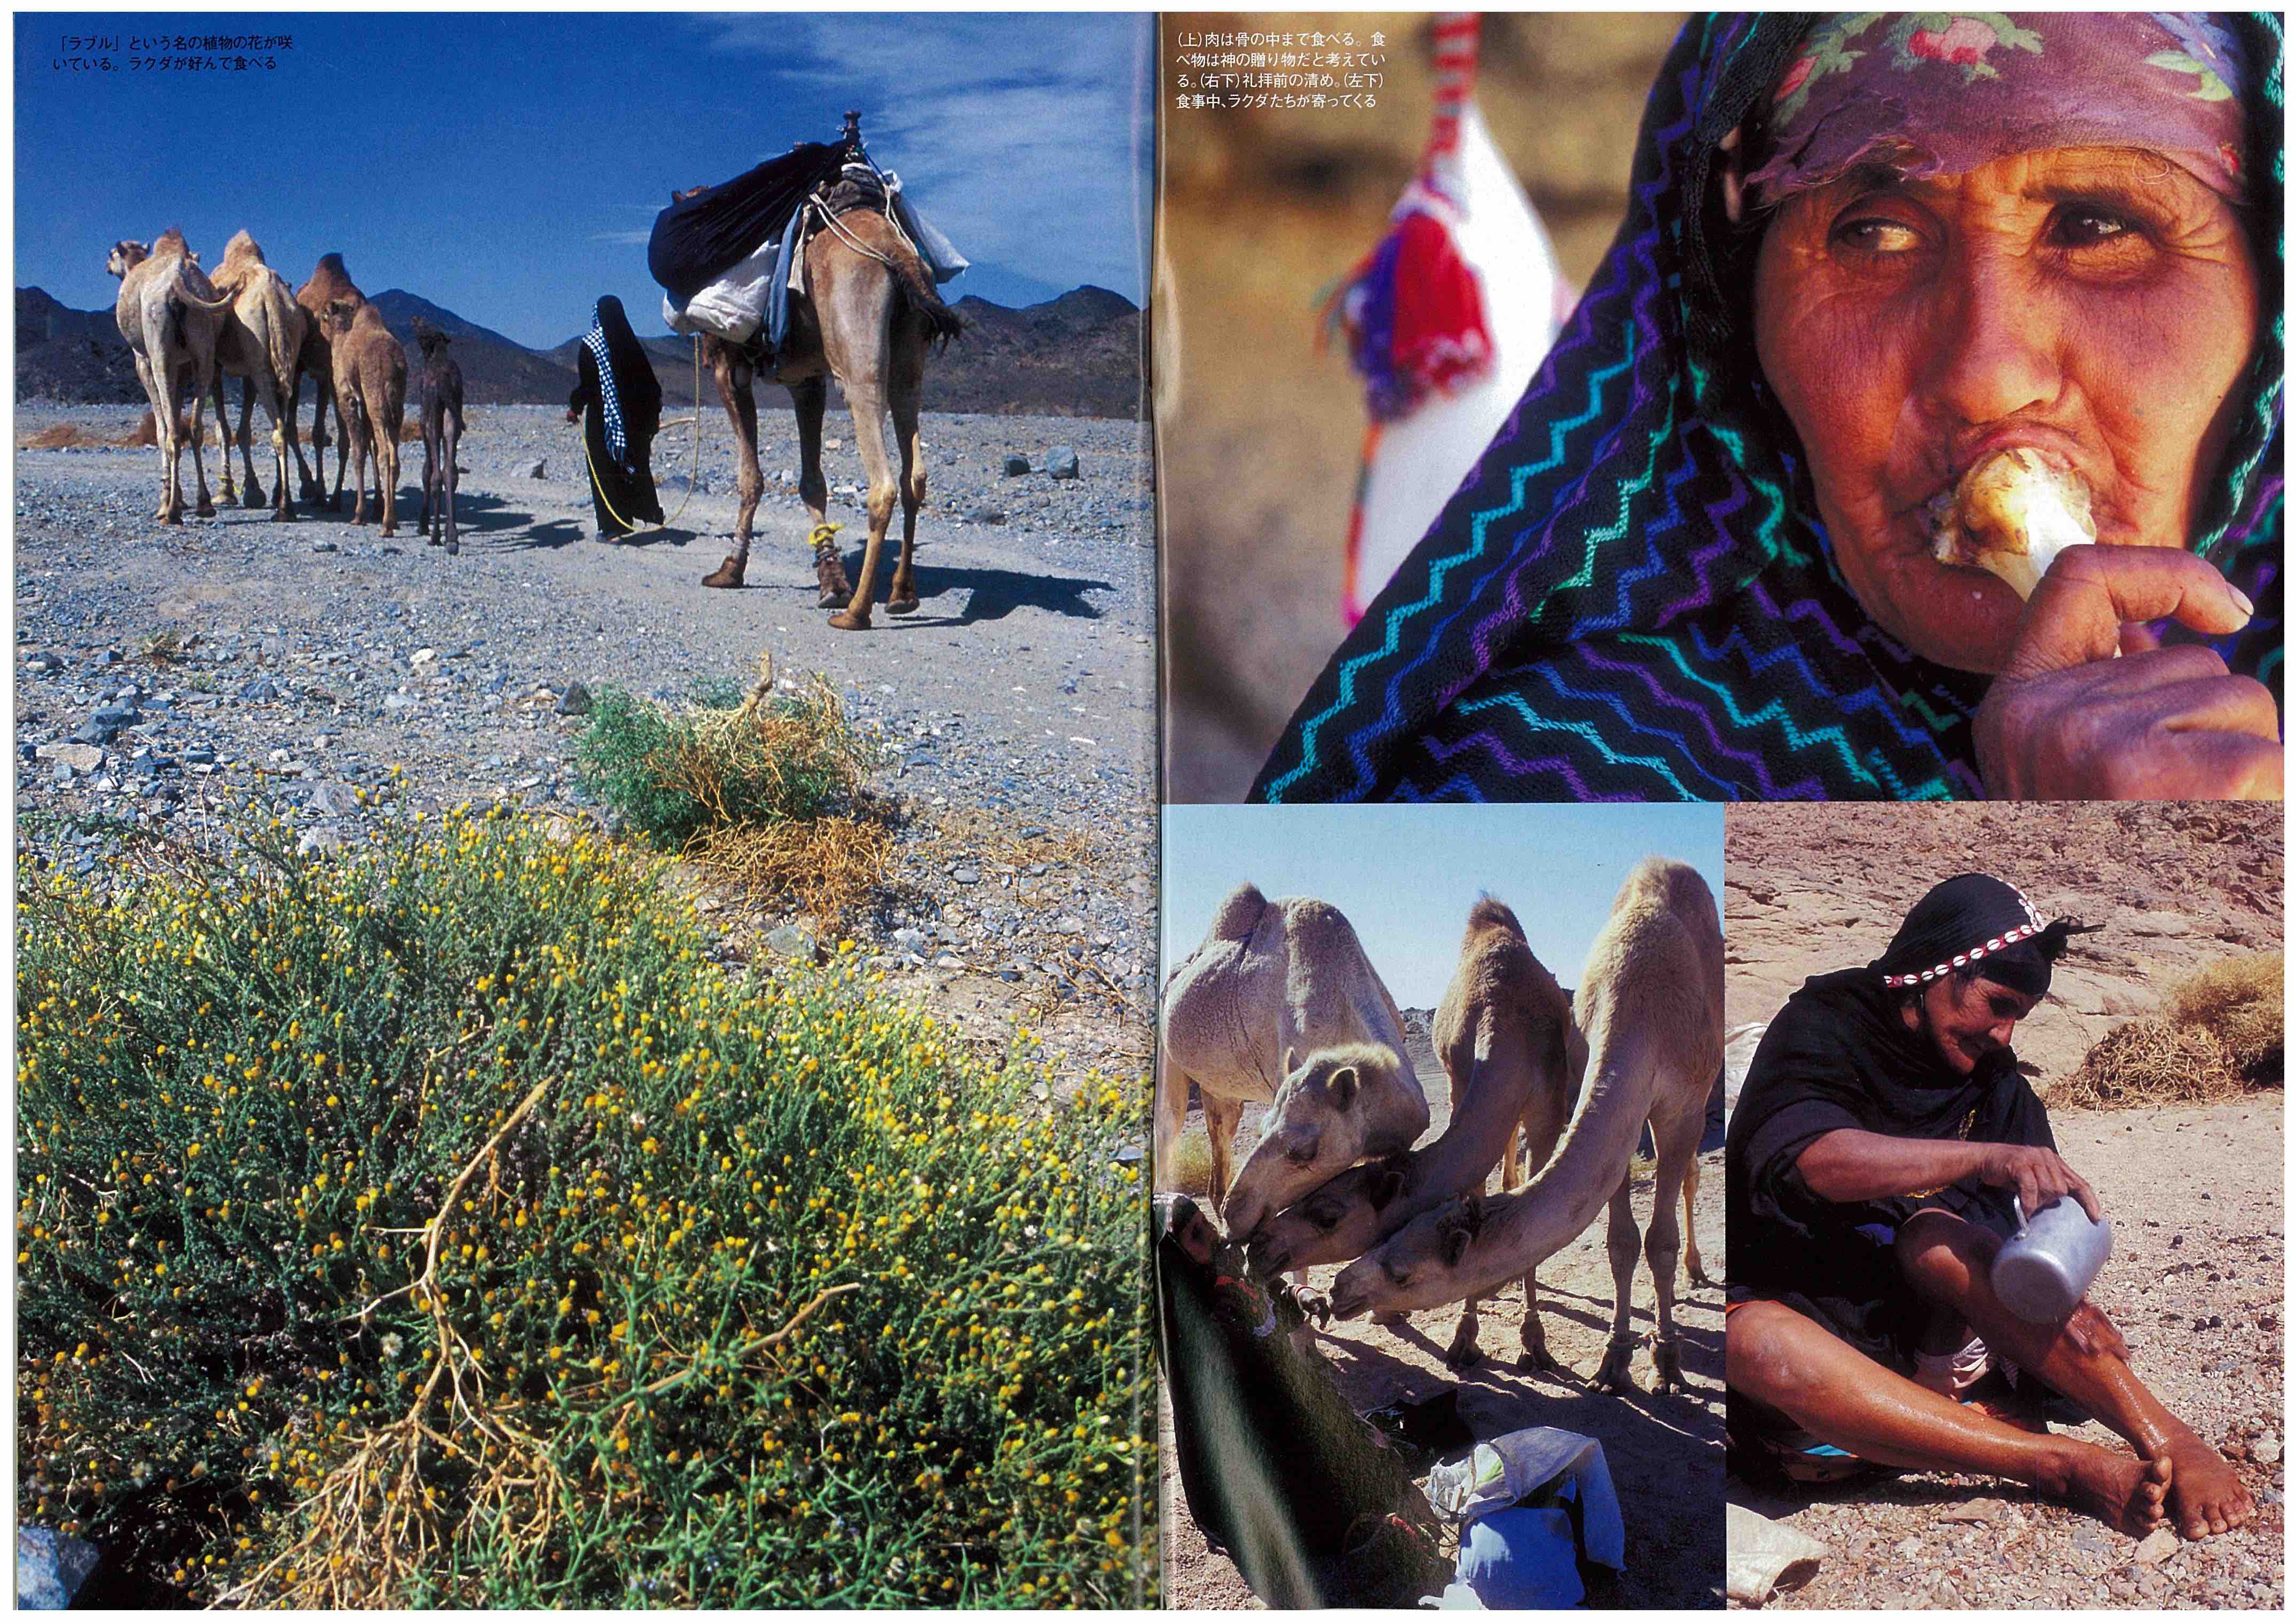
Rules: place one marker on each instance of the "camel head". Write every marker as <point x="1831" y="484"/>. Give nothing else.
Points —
<point x="341" y="313"/>
<point x="1337" y="1223"/>
<point x="1421" y="1265"/>
<point x="432" y="340"/>
<point x="1316" y="1128"/>
<point x="125" y="257"/>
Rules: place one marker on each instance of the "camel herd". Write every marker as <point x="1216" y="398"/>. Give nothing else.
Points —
<point x="189" y="331"/>
<point x="1280" y="1006"/>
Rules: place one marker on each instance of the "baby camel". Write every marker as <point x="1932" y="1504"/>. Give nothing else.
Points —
<point x="1280" y="1003"/>
<point x="1505" y="1036"/>
<point x="441" y="396"/>
<point x="370" y="377"/>
<point x="1650" y="1008"/>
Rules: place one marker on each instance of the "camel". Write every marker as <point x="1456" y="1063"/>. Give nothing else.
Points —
<point x="1515" y="1059"/>
<point x="1652" y="1011"/>
<point x="370" y="375"/>
<point x="262" y="342"/>
<point x="1280" y="1003"/>
<point x="442" y="435"/>
<point x="329" y="282"/>
<point x="867" y="316"/>
<point x="172" y="318"/>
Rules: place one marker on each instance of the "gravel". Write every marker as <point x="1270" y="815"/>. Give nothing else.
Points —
<point x="342" y="678"/>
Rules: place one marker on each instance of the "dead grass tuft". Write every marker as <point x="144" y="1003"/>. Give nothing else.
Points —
<point x="2150" y="1060"/>
<point x="63" y="436"/>
<point x="2239" y="1001"/>
<point x="829" y="867"/>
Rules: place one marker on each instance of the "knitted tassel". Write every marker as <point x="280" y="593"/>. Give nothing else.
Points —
<point x="1413" y="311"/>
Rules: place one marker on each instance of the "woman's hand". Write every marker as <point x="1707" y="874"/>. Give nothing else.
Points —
<point x="2038" y="1176"/>
<point x="2066" y="720"/>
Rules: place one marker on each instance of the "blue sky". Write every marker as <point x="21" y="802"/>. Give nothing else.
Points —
<point x="508" y="165"/>
<point x="1406" y="875"/>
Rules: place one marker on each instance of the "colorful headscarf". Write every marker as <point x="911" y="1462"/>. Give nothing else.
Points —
<point x="1945" y="93"/>
<point x="1631" y="597"/>
<point x="1975" y="918"/>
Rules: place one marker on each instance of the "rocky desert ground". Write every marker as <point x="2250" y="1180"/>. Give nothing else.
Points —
<point x="2197" y="1276"/>
<point x="342" y="677"/>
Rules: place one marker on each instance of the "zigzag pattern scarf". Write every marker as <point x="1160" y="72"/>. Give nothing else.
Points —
<point x="1631" y="597"/>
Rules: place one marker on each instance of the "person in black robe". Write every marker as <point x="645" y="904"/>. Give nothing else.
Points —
<point x="1277" y="1469"/>
<point x="1881" y="1134"/>
<point x="618" y="390"/>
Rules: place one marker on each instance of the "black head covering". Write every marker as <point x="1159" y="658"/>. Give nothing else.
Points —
<point x="1975" y="919"/>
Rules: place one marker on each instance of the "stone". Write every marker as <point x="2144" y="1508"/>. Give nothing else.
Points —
<point x="324" y="546"/>
<point x="2155" y="923"/>
<point x="423" y="656"/>
<point x="791" y="942"/>
<point x="117" y="715"/>
<point x="986" y="513"/>
<point x="2265" y="1450"/>
<point x="262" y="689"/>
<point x="50" y="1568"/>
<point x="966" y="876"/>
<point x="319" y="841"/>
<point x="2157" y="1546"/>
<point x="909" y="940"/>
<point x="949" y="960"/>
<point x="332" y="800"/>
<point x="1015" y="464"/>
<point x="81" y="757"/>
<point x="41" y="664"/>
<point x="538" y="468"/>
<point x="575" y="701"/>
<point x="1976" y="1510"/>
<point x="94" y="733"/>
<point x="399" y="701"/>
<point x="63" y="775"/>
<point x="1061" y="462"/>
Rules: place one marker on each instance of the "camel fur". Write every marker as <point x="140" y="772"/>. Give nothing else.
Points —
<point x="329" y="283"/>
<point x="1280" y="1003"/>
<point x="868" y="315"/>
<point x="370" y="375"/>
<point x="1505" y="1035"/>
<point x="262" y="343"/>
<point x="172" y="318"/>
<point x="442" y="435"/>
<point x="1651" y="1009"/>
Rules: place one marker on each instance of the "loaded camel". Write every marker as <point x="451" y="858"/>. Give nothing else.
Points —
<point x="1280" y="1004"/>
<point x="1650" y="1007"/>
<point x="329" y="283"/>
<point x="370" y="376"/>
<point x="172" y="318"/>
<point x="262" y="342"/>
<point x="1505" y="1035"/>
<point x="867" y="316"/>
<point x="441" y="395"/>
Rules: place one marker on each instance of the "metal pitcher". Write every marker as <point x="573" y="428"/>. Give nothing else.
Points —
<point x="2049" y="1264"/>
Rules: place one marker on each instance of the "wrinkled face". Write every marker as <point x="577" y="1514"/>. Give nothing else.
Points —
<point x="1968" y="1021"/>
<point x="1337" y="1222"/>
<point x="2094" y="304"/>
<point x="1312" y="1132"/>
<point x="1415" y="1268"/>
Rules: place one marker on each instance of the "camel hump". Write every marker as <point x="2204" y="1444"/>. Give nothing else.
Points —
<point x="1239" y="915"/>
<point x="170" y="241"/>
<point x="334" y="263"/>
<point x="1490" y="914"/>
<point x="1319" y="930"/>
<point x="243" y="246"/>
<point x="1674" y="886"/>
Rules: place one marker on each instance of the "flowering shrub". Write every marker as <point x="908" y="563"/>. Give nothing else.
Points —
<point x="434" y="1224"/>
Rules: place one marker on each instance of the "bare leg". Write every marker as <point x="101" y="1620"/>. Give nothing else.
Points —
<point x="1949" y="1262"/>
<point x="1843" y="1397"/>
<point x="1624" y="1243"/>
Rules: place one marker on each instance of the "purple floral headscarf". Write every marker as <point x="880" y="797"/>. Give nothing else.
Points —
<point x="1942" y="92"/>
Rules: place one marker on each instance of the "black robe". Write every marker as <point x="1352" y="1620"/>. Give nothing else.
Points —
<point x="621" y="490"/>
<point x="1838" y="1055"/>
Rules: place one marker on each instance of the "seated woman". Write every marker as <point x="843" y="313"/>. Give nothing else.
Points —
<point x="1881" y="1132"/>
<point x="1864" y="258"/>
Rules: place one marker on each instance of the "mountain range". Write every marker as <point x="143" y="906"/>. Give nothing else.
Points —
<point x="1076" y="355"/>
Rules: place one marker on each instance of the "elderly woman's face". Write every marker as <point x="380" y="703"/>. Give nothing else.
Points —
<point x="2094" y="304"/>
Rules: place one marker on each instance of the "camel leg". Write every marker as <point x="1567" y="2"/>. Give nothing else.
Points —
<point x="869" y="438"/>
<point x="423" y="518"/>
<point x="386" y="474"/>
<point x="908" y="397"/>
<point x="315" y="484"/>
<point x="1464" y="1352"/>
<point x="450" y="430"/>
<point x="159" y="388"/>
<point x="291" y="402"/>
<point x="1221" y="1118"/>
<point x="247" y="387"/>
<point x="811" y="398"/>
<point x="1624" y="1245"/>
<point x="1536" y="1134"/>
<point x="206" y="507"/>
<point x="282" y="414"/>
<point x="343" y="446"/>
<point x="1690" y="1257"/>
<point x="229" y="492"/>
<point x="353" y="426"/>
<point x="735" y="388"/>
<point x="1677" y="1157"/>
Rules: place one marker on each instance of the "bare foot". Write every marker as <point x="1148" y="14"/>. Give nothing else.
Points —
<point x="2122" y="1492"/>
<point x="2205" y="1496"/>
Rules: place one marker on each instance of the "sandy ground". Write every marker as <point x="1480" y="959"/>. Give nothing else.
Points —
<point x="1664" y="1452"/>
<point x="2197" y="1274"/>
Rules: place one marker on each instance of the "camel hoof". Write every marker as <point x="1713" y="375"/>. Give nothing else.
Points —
<point x="1617" y="1375"/>
<point x="1667" y="1359"/>
<point x="833" y="600"/>
<point x="902" y="605"/>
<point x="1459" y="1356"/>
<point x="206" y="510"/>
<point x="253" y="498"/>
<point x="727" y="574"/>
<point x="171" y="518"/>
<point x="453" y="549"/>
<point x="1698" y="1277"/>
<point x="1538" y="1359"/>
<point x="849" y="621"/>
